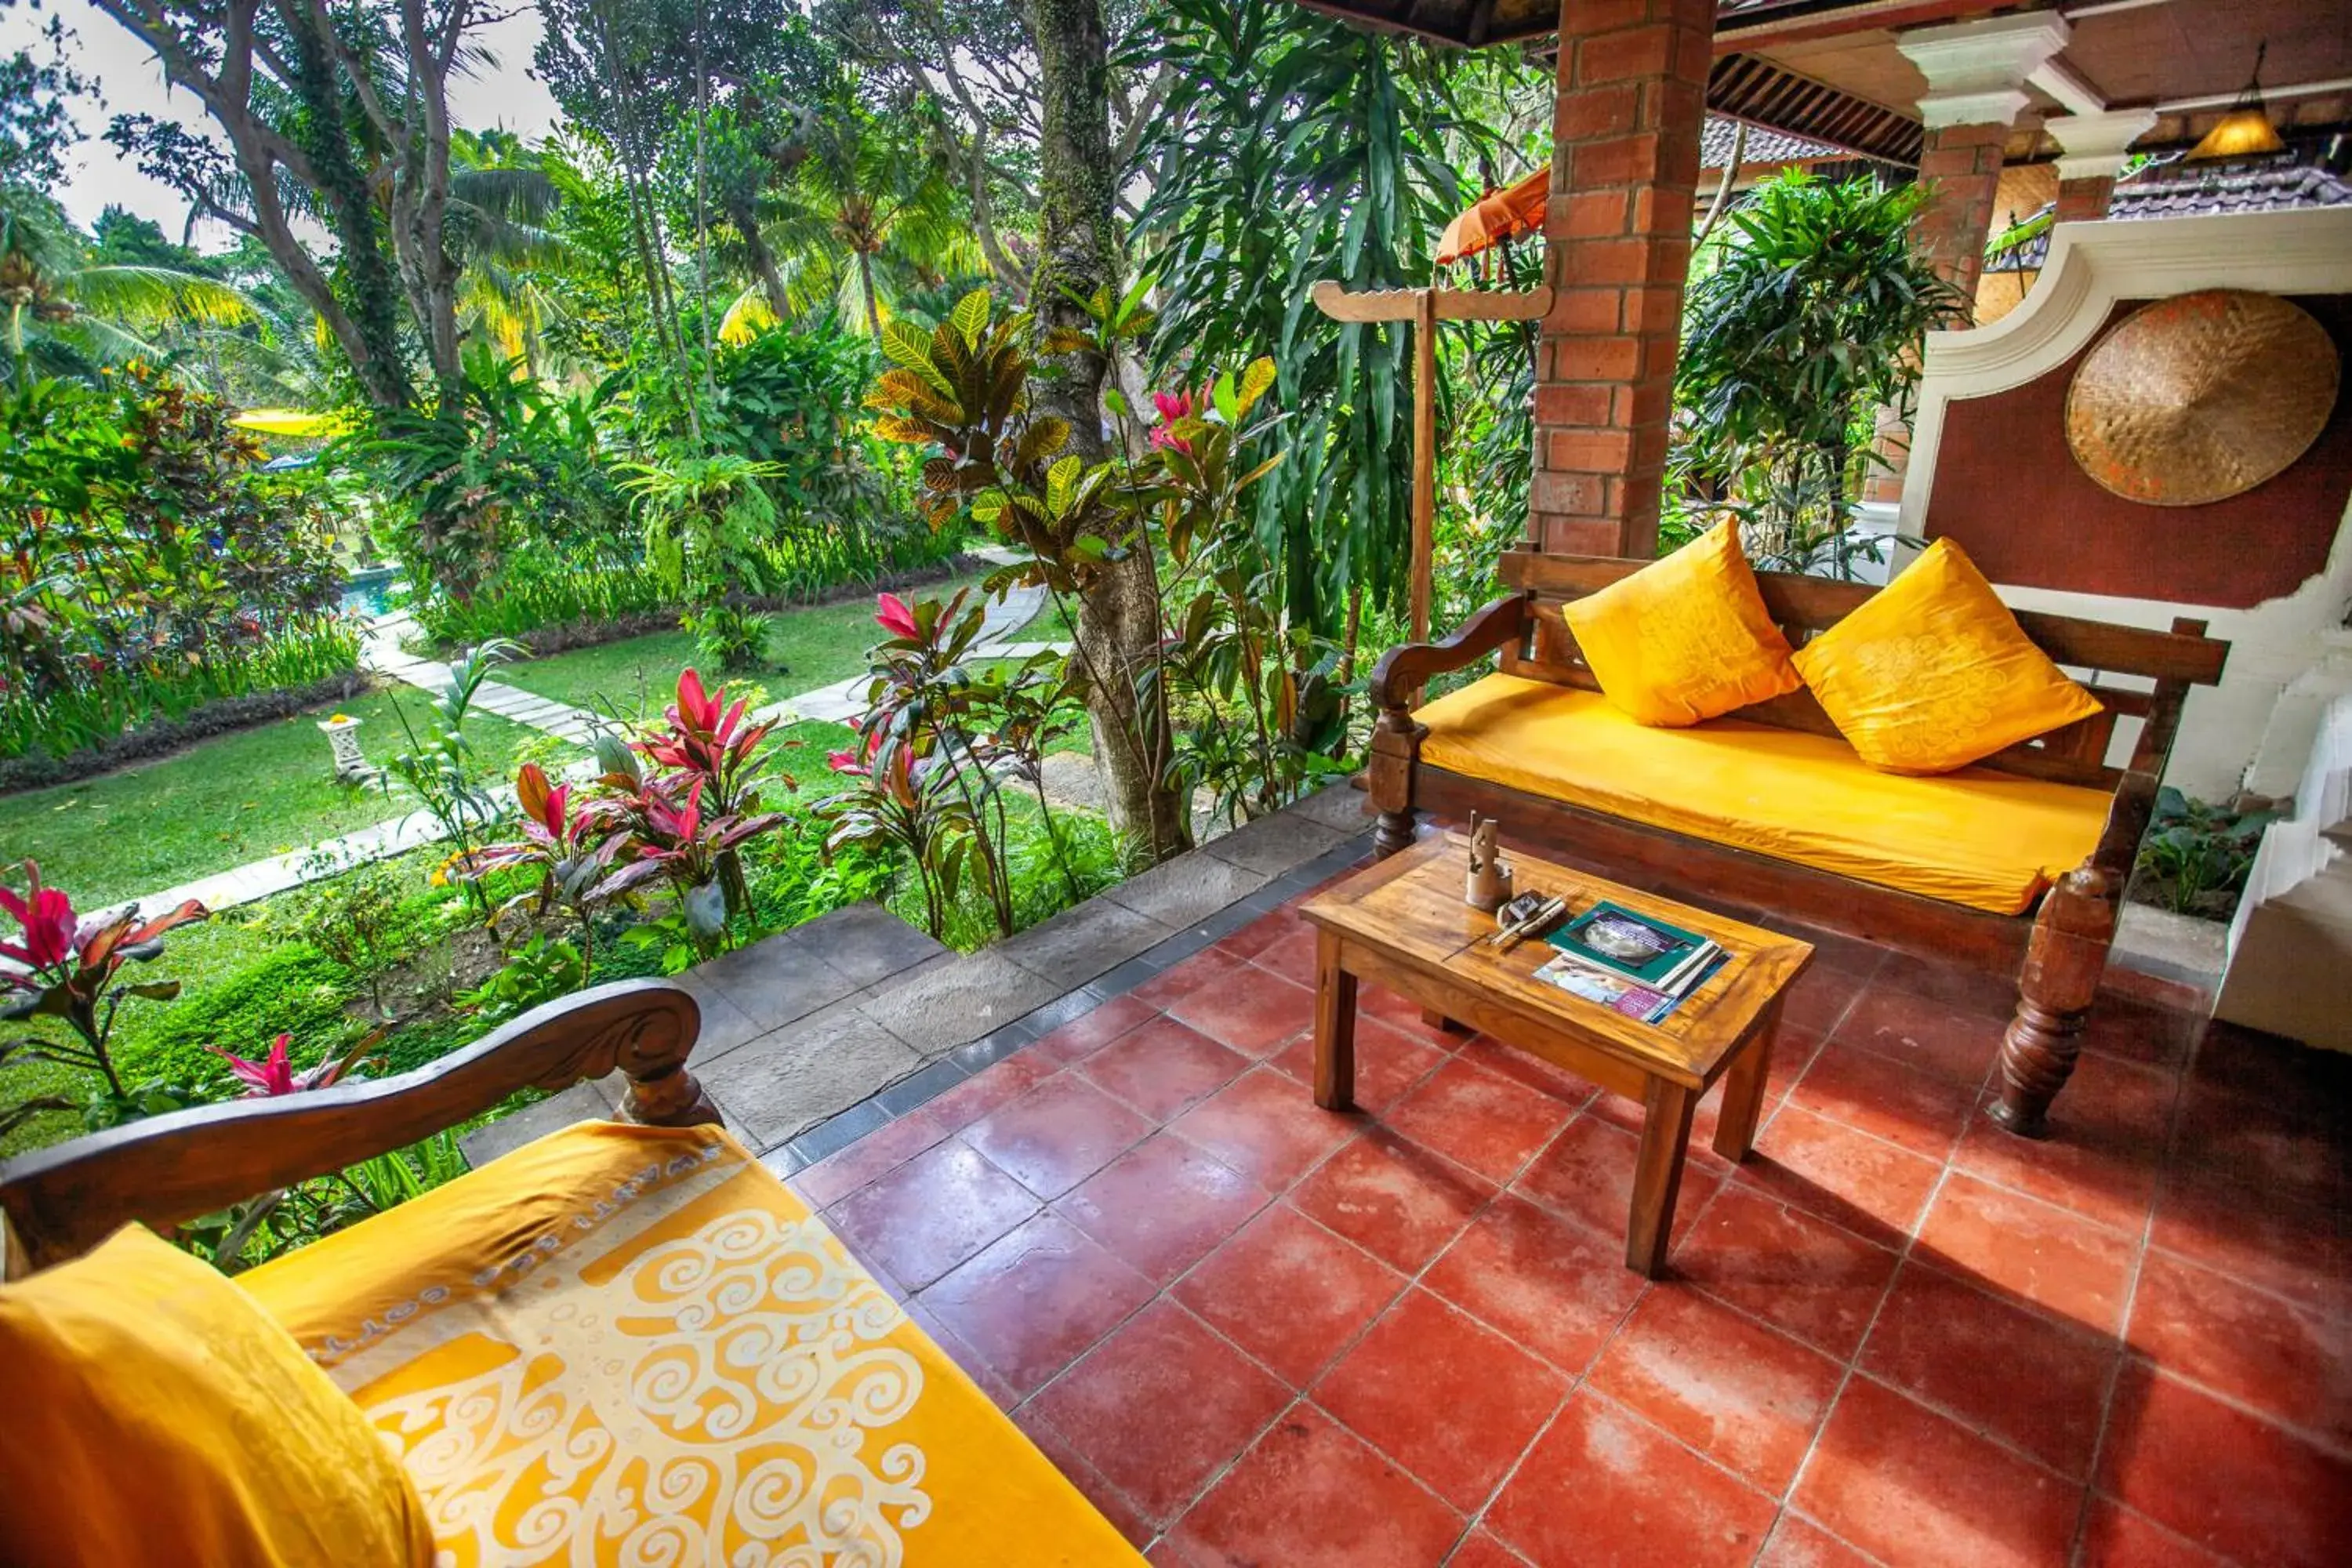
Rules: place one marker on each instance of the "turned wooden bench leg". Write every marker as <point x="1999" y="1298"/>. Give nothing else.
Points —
<point x="672" y="1097"/>
<point x="1388" y="780"/>
<point x="2063" y="960"/>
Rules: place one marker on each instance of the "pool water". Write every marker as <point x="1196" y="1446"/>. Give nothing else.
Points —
<point x="369" y="592"/>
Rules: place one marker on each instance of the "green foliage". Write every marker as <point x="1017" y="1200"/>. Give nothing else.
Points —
<point x="706" y="520"/>
<point x="539" y="971"/>
<point x="2196" y="855"/>
<point x="441" y="770"/>
<point x="732" y="638"/>
<point x="537" y="589"/>
<point x="353" y="914"/>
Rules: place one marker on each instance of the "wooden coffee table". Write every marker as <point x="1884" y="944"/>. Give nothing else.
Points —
<point x="1402" y="923"/>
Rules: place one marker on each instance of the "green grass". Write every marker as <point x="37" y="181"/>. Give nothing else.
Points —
<point x="224" y="801"/>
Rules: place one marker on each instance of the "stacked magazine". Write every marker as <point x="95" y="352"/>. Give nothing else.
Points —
<point x="1633" y="964"/>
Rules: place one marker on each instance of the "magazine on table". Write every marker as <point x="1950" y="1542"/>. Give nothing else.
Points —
<point x="1606" y="988"/>
<point x="1652" y="954"/>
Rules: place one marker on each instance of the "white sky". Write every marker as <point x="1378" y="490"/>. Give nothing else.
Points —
<point x="131" y="82"/>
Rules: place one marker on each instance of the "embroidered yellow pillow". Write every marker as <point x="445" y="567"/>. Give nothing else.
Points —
<point x="1685" y="638"/>
<point x="157" y="1415"/>
<point x="1932" y="673"/>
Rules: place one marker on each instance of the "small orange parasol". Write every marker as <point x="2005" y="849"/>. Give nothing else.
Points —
<point x="1498" y="216"/>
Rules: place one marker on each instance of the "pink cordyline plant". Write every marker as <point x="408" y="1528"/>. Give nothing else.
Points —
<point x="707" y="739"/>
<point x="1173" y="406"/>
<point x="570" y="845"/>
<point x="891" y="613"/>
<point x="275" y="1075"/>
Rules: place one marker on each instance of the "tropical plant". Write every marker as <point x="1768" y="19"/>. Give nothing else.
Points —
<point x="439" y="769"/>
<point x="704" y="740"/>
<point x="706" y="522"/>
<point x="1805" y="319"/>
<point x="2197" y="856"/>
<point x="666" y="835"/>
<point x="568" y="842"/>
<point x="275" y="1075"/>
<point x="69" y="316"/>
<point x="351" y="914"/>
<point x="903" y="807"/>
<point x="540" y="970"/>
<point x="65" y="967"/>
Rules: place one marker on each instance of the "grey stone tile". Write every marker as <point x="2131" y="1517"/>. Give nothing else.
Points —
<point x="1188" y="889"/>
<point x="923" y="1085"/>
<point x="835" y="1133"/>
<point x="581" y="1103"/>
<point x="949" y="1003"/>
<point x="1128" y="976"/>
<point x="724" y="1025"/>
<point x="1275" y="844"/>
<point x="783" y="1083"/>
<point x="867" y="942"/>
<point x="784" y="1164"/>
<point x="1338" y="806"/>
<point x="993" y="1046"/>
<point x="1071" y="1004"/>
<point x="776" y="981"/>
<point x="1079" y="943"/>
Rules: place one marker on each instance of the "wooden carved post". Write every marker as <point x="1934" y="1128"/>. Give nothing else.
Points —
<point x="2063" y="960"/>
<point x="1388" y="779"/>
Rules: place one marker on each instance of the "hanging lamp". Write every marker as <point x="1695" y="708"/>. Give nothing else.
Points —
<point x="2245" y="131"/>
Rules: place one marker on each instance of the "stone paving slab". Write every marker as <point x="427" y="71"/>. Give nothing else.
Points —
<point x="787" y="1081"/>
<point x="1079" y="943"/>
<point x="867" y="942"/>
<point x="952" y="1001"/>
<point x="1340" y="805"/>
<point x="1275" y="843"/>
<point x="1190" y="887"/>
<point x="775" y="981"/>
<point x="583" y="1101"/>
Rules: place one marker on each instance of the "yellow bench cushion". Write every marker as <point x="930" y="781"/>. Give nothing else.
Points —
<point x="622" y="1345"/>
<point x="1988" y="841"/>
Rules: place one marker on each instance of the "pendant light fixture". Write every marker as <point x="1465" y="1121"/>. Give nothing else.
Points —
<point x="2245" y="131"/>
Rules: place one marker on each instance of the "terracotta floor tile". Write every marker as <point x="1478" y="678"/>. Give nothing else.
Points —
<point x="1162" y="1067"/>
<point x="885" y="1149"/>
<point x="969" y="1361"/>
<point x="1474" y="1119"/>
<point x="1035" y="1299"/>
<point x="1587" y="1173"/>
<point x="1162" y="1207"/>
<point x="2029" y="1250"/>
<point x="1091" y="1032"/>
<point x="1057" y="1134"/>
<point x="2106" y="1145"/>
<point x="2229" y="1482"/>
<point x="2298" y="1250"/>
<point x="1818" y="1282"/>
<point x="1110" y="1501"/>
<point x="1748" y="1397"/>
<point x="1391" y="1007"/>
<point x="1395" y="1199"/>
<point x="1821" y="998"/>
<point x="1868" y="1185"/>
<point x="2268" y="1069"/>
<point x="1266" y="1126"/>
<point x="1938" y="1338"/>
<point x="1601" y="1488"/>
<point x="1553" y="1286"/>
<point x="1307" y="1495"/>
<point x="990" y="1088"/>
<point x="1262" y="932"/>
<point x="2283" y="1361"/>
<point x="1480" y="1550"/>
<point x="1921" y="1112"/>
<point x="1290" y="1293"/>
<point x="1570" y="1089"/>
<point x="1388" y="1062"/>
<point x="1293" y="957"/>
<point x="931" y="1213"/>
<point x="2134" y="1030"/>
<point x="1982" y="990"/>
<point x="1909" y="1486"/>
<point x="1160" y="1406"/>
<point x="1937" y="1037"/>
<point x="1452" y="1401"/>
<point x="2230" y="1140"/>
<point x="1253" y="1010"/>
<point x="2115" y="1537"/>
<point x="1799" y="1544"/>
<point x="1212" y="966"/>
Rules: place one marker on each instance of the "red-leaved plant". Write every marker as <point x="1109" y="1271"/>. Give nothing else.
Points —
<point x="569" y="842"/>
<point x="275" y="1075"/>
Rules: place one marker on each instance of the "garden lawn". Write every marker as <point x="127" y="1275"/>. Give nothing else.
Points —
<point x="229" y="800"/>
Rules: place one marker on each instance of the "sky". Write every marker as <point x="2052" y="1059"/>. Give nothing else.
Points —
<point x="131" y="82"/>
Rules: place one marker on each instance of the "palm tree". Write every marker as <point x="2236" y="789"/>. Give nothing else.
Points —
<point x="499" y="199"/>
<point x="67" y="316"/>
<point x="866" y="213"/>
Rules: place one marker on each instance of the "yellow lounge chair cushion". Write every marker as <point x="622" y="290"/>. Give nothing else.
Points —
<point x="1932" y="673"/>
<point x="631" y="1344"/>
<point x="1685" y="638"/>
<point x="1977" y="838"/>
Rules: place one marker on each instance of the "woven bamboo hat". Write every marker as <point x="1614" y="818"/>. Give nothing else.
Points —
<point x="2202" y="396"/>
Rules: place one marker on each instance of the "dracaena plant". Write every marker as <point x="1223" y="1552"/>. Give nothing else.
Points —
<point x="569" y="841"/>
<point x="704" y="739"/>
<point x="666" y="836"/>
<point x="440" y="769"/>
<point x="65" y="967"/>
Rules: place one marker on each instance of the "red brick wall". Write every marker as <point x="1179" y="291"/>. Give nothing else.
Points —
<point x="1632" y="98"/>
<point x="2084" y="201"/>
<point x="1961" y="168"/>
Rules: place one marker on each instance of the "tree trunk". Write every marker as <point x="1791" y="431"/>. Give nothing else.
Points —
<point x="866" y="283"/>
<point x="1118" y="618"/>
<point x="763" y="260"/>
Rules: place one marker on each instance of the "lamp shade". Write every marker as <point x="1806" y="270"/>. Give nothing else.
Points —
<point x="2244" y="132"/>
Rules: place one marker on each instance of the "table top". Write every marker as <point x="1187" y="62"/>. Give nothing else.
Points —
<point x="1409" y="908"/>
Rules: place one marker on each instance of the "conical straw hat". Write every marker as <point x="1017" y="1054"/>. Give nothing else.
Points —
<point x="2202" y="396"/>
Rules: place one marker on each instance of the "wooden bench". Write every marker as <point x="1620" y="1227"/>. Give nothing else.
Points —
<point x="2058" y="950"/>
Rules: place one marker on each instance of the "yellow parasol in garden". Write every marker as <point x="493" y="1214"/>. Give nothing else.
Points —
<point x="295" y="421"/>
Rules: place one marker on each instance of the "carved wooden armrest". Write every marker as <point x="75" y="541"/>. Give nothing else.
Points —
<point x="59" y="1202"/>
<point x="1403" y="670"/>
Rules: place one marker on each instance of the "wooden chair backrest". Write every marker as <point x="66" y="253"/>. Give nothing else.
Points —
<point x="2164" y="664"/>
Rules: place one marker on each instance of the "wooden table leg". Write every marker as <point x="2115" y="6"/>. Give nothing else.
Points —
<point x="1334" y="1028"/>
<point x="1658" y="1175"/>
<point x="1743" y="1088"/>
<point x="1438" y="1020"/>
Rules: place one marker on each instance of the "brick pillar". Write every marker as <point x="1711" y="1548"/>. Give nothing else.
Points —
<point x="1961" y="166"/>
<point x="2084" y="201"/>
<point x="1625" y="140"/>
<point x="2093" y="150"/>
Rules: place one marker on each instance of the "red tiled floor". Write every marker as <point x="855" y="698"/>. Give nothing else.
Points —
<point x="1601" y="1488"/>
<point x="1474" y="1119"/>
<point x="1481" y="1550"/>
<point x="1909" y="1486"/>
<point x="1253" y="1010"/>
<point x="1162" y="1207"/>
<point x="1163" y="1066"/>
<point x="1388" y="1062"/>
<point x="993" y="1086"/>
<point x="885" y="1149"/>
<point x="1939" y="1339"/>
<point x="2115" y="1537"/>
<point x="2054" y="1259"/>
<point x="1091" y="1032"/>
<point x="1210" y="966"/>
<point x="1587" y="1175"/>
<point x="1921" y="1112"/>
<point x="2282" y="1359"/>
<point x="931" y="1213"/>
<point x="1957" y="1042"/>
<point x="2275" y="1071"/>
<point x="1394" y="1199"/>
<point x="1110" y="1501"/>
<point x="1292" y="957"/>
<point x="2227" y="1480"/>
<point x="1822" y="996"/>
<point x="1161" y="1407"/>
<point x="1290" y="1293"/>
<point x="1266" y="1126"/>
<point x="1057" y="1135"/>
<point x="2105" y="1148"/>
<point x="1035" y="1299"/>
<point x="1746" y="1396"/>
<point x="2301" y="1251"/>
<point x="1510" y="1062"/>
<point x="1452" y="1401"/>
<point x="2234" y="1141"/>
<point x="1553" y="1286"/>
<point x="1389" y="1008"/>
<point x="1797" y="1543"/>
<point x="1309" y="1495"/>
<point x="1262" y="932"/>
<point x="1868" y="1185"/>
<point x="1796" y="1272"/>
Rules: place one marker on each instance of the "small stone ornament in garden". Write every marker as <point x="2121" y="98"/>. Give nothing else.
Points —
<point x="343" y="738"/>
<point x="1488" y="883"/>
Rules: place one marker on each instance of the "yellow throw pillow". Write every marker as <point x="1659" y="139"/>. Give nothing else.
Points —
<point x="157" y="1415"/>
<point x="1932" y="673"/>
<point x="1686" y="638"/>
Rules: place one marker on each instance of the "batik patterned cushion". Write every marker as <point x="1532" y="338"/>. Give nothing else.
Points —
<point x="1684" y="639"/>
